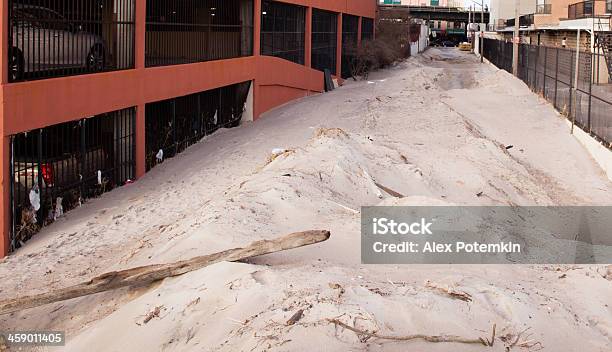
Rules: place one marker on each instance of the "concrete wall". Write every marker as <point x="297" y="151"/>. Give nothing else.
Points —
<point x="29" y="105"/>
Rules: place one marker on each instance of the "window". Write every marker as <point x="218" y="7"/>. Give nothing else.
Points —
<point x="55" y="38"/>
<point x="324" y="40"/>
<point x="367" y="28"/>
<point x="174" y="124"/>
<point x="186" y="31"/>
<point x="350" y="35"/>
<point x="56" y="168"/>
<point x="282" y="30"/>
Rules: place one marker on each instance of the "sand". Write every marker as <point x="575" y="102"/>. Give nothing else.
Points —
<point x="433" y="128"/>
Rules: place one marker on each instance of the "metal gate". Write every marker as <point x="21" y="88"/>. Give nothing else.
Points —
<point x="174" y="124"/>
<point x="54" y="169"/>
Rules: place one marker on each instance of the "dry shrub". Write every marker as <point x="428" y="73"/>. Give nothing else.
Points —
<point x="392" y="43"/>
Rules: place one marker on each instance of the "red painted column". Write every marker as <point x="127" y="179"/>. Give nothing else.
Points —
<point x="141" y="28"/>
<point x="308" y="38"/>
<point x="256" y="53"/>
<point x="140" y="141"/>
<point x="339" y="47"/>
<point x="4" y="140"/>
<point x="359" y="32"/>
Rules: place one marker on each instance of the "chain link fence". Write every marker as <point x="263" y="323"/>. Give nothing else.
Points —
<point x="585" y="97"/>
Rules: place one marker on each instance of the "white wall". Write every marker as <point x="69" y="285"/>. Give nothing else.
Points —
<point x="504" y="9"/>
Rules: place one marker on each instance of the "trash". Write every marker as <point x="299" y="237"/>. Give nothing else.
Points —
<point x="59" y="209"/>
<point x="160" y="156"/>
<point x="295" y="317"/>
<point x="99" y="177"/>
<point x="451" y="292"/>
<point x="278" y="151"/>
<point x="479" y="194"/>
<point x="286" y="175"/>
<point x="35" y="198"/>
<point x="509" y="147"/>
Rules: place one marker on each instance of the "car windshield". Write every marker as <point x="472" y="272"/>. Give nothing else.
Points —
<point x="41" y="17"/>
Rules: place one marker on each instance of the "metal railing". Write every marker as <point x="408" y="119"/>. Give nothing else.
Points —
<point x="324" y="40"/>
<point x="283" y="28"/>
<point x="55" y="38"/>
<point x="580" y="10"/>
<point x="550" y="72"/>
<point x="174" y="124"/>
<point x="56" y="168"/>
<point x="524" y="21"/>
<point x="187" y="31"/>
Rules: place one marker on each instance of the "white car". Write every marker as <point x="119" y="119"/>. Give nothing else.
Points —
<point x="44" y="40"/>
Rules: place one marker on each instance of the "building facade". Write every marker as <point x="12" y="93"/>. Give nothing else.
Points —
<point x="96" y="93"/>
<point x="502" y="10"/>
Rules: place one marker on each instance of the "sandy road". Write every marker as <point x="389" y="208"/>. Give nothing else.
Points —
<point x="433" y="128"/>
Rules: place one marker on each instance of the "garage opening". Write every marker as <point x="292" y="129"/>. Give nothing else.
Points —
<point x="173" y="125"/>
<point x="324" y="40"/>
<point x="350" y="37"/>
<point x="186" y="31"/>
<point x="367" y="28"/>
<point x="55" y="38"/>
<point x="283" y="29"/>
<point x="56" y="168"/>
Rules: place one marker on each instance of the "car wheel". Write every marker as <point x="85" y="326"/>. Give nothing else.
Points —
<point x="15" y="65"/>
<point x="95" y="59"/>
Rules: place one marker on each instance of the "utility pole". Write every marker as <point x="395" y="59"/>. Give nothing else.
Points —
<point x="576" y="75"/>
<point x="516" y="39"/>
<point x="482" y="32"/>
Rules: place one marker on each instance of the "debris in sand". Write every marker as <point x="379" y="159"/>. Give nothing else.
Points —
<point x="608" y="273"/>
<point x="335" y="286"/>
<point x="153" y="314"/>
<point x="330" y="132"/>
<point x="389" y="191"/>
<point x="148" y="274"/>
<point x="449" y="291"/>
<point x="428" y="338"/>
<point x="295" y="317"/>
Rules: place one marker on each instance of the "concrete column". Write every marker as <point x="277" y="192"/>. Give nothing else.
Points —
<point x="257" y="27"/>
<point x="339" y="47"/>
<point x="256" y="53"/>
<point x="141" y="28"/>
<point x="308" y="38"/>
<point x="4" y="6"/>
<point x="359" y="32"/>
<point x="140" y="141"/>
<point x="5" y="178"/>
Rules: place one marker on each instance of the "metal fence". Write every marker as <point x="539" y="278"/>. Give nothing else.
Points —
<point x="187" y="31"/>
<point x="54" y="169"/>
<point x="54" y="38"/>
<point x="283" y="29"/>
<point x="174" y="124"/>
<point x="350" y="37"/>
<point x="551" y="72"/>
<point x="367" y="28"/>
<point x="324" y="40"/>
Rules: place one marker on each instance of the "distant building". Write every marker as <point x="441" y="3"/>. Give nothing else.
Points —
<point x="502" y="10"/>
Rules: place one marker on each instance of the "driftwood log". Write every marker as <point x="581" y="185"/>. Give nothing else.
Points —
<point x="145" y="275"/>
